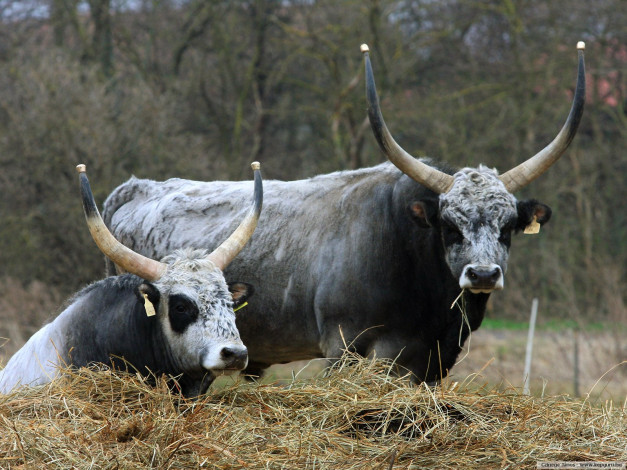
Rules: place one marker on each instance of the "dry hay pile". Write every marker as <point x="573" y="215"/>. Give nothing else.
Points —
<point x="359" y="415"/>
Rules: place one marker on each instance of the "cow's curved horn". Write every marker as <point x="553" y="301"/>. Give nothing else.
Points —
<point x="433" y="179"/>
<point x="229" y="249"/>
<point x="124" y="257"/>
<point x="526" y="172"/>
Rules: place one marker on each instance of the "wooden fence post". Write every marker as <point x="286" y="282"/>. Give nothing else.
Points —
<point x="576" y="361"/>
<point x="532" y="327"/>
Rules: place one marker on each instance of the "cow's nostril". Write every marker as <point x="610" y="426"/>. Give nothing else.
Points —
<point x="227" y="353"/>
<point x="235" y="358"/>
<point x="483" y="277"/>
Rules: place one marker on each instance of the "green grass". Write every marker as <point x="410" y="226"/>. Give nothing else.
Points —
<point x="548" y="325"/>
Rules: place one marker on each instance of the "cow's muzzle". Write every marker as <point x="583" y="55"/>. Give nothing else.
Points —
<point x="226" y="359"/>
<point x="482" y="278"/>
<point x="235" y="358"/>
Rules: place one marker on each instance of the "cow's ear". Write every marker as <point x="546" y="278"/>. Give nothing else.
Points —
<point x="149" y="295"/>
<point x="424" y="212"/>
<point x="532" y="213"/>
<point x="240" y="291"/>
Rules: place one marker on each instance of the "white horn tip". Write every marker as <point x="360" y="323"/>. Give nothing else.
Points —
<point x="364" y="48"/>
<point x="81" y="168"/>
<point x="255" y="165"/>
<point x="581" y="45"/>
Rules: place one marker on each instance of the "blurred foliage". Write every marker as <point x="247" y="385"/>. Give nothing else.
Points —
<point x="198" y="89"/>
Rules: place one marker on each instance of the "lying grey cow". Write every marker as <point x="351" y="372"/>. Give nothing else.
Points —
<point x="173" y="316"/>
<point x="371" y="258"/>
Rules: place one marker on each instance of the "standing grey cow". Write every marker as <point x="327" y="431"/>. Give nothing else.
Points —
<point x="371" y="258"/>
<point x="173" y="316"/>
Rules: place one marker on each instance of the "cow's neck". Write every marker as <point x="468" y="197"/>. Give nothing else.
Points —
<point x="153" y="356"/>
<point x="122" y="330"/>
<point x="445" y="297"/>
<point x="444" y="317"/>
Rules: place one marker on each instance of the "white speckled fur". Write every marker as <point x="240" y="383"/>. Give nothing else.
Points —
<point x="479" y="206"/>
<point x="192" y="274"/>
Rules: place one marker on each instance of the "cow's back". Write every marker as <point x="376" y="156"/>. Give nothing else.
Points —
<point x="156" y="218"/>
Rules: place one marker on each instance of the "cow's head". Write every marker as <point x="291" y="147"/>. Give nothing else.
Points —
<point x="475" y="210"/>
<point x="186" y="291"/>
<point x="194" y="307"/>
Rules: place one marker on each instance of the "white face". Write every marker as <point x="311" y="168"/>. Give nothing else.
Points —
<point x="477" y="216"/>
<point x="198" y="318"/>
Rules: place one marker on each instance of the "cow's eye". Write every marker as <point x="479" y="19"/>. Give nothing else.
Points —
<point x="182" y="312"/>
<point x="180" y="308"/>
<point x="451" y="235"/>
<point x="506" y="237"/>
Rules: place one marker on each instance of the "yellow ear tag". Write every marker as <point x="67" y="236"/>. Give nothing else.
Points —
<point x="533" y="227"/>
<point x="240" y="307"/>
<point x="150" y="309"/>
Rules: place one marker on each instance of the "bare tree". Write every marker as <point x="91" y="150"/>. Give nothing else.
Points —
<point x="196" y="89"/>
